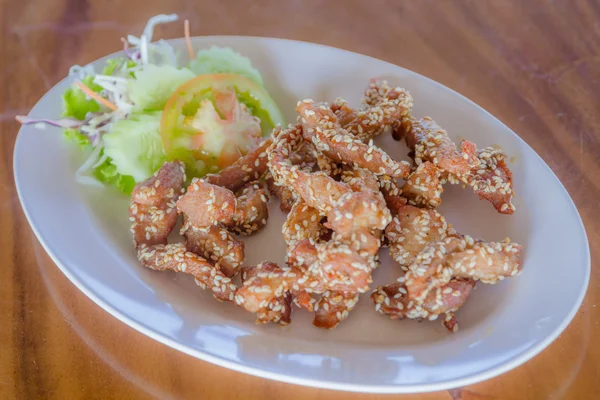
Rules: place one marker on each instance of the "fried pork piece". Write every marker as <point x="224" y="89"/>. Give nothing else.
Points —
<point x="431" y="143"/>
<point x="286" y="196"/>
<point x="305" y="157"/>
<point x="337" y="268"/>
<point x="317" y="189"/>
<point x="174" y="257"/>
<point x="393" y="301"/>
<point x="303" y="254"/>
<point x="211" y="212"/>
<point x="344" y="263"/>
<point x="333" y="307"/>
<point x="391" y="193"/>
<point x="456" y="257"/>
<point x="379" y="91"/>
<point x="356" y="219"/>
<point x="216" y="244"/>
<point x="359" y="210"/>
<point x="301" y="231"/>
<point x="277" y="309"/>
<point x="344" y="113"/>
<point x="411" y="230"/>
<point x="332" y="266"/>
<point x="247" y="168"/>
<point x="362" y="211"/>
<point x="206" y="204"/>
<point x="303" y="299"/>
<point x="491" y="179"/>
<point x="268" y="290"/>
<point x="152" y="210"/>
<point x="369" y="212"/>
<point x="423" y="186"/>
<point x="340" y="268"/>
<point x="303" y="222"/>
<point x="485" y="170"/>
<point x="269" y="284"/>
<point x="360" y="179"/>
<point x="265" y="286"/>
<point x="251" y="210"/>
<point x="328" y="166"/>
<point x="384" y="112"/>
<point x="323" y="129"/>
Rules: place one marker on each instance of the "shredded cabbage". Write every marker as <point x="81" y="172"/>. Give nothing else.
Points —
<point x="81" y="174"/>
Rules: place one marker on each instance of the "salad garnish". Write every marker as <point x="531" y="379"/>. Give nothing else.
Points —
<point x="151" y="104"/>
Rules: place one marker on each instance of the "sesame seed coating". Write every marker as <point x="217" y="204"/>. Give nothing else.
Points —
<point x="431" y="143"/>
<point x="215" y="244"/>
<point x="312" y="187"/>
<point x="152" y="209"/>
<point x="251" y="210"/>
<point x="322" y="127"/>
<point x="392" y="193"/>
<point x="423" y="187"/>
<point x="393" y="301"/>
<point x="175" y="257"/>
<point x="203" y="204"/>
<point x="268" y="307"/>
<point x="491" y="179"/>
<point x="485" y="170"/>
<point x="411" y="230"/>
<point x="386" y="107"/>
<point x="286" y="196"/>
<point x="333" y="307"/>
<point x="250" y="167"/>
<point x="461" y="257"/>
<point x="303" y="222"/>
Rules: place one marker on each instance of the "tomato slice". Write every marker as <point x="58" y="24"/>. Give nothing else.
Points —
<point x="212" y="120"/>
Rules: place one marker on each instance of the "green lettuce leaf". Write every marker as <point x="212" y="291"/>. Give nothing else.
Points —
<point x="75" y="103"/>
<point x="135" y="145"/>
<point x="107" y="173"/>
<point x="76" y="137"/>
<point x="112" y="64"/>
<point x="217" y="60"/>
<point x="154" y="85"/>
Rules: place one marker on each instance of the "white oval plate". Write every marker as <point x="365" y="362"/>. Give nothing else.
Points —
<point x="86" y="232"/>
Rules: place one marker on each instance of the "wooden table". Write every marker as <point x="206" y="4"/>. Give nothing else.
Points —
<point x="533" y="64"/>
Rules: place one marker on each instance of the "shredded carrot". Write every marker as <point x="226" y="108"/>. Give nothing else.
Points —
<point x="96" y="96"/>
<point x="188" y="41"/>
<point x="125" y="43"/>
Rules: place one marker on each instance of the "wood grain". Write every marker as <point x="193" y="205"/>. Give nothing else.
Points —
<point x="533" y="64"/>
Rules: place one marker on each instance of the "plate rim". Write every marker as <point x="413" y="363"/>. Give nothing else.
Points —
<point x="238" y="366"/>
